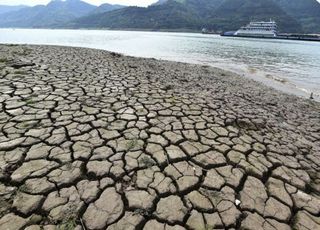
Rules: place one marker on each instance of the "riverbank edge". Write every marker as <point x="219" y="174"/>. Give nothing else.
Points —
<point x="209" y="99"/>
<point x="258" y="81"/>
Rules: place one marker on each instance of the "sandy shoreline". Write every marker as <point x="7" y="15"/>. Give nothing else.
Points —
<point x="96" y="140"/>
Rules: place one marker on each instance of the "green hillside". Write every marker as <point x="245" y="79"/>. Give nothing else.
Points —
<point x="302" y="16"/>
<point x="232" y="14"/>
<point x="219" y="15"/>
<point x="307" y="13"/>
<point x="171" y="15"/>
<point x="56" y="12"/>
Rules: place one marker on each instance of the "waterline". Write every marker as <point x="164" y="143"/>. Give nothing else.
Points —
<point x="292" y="66"/>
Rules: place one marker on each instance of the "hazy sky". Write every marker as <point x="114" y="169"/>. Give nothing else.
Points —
<point x="94" y="2"/>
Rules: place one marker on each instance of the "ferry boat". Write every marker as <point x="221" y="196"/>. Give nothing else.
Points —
<point x="268" y="30"/>
<point x="258" y="29"/>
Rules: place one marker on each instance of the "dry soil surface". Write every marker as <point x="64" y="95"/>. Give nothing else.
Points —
<point x="96" y="140"/>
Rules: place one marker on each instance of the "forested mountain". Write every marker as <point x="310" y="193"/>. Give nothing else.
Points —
<point x="194" y="14"/>
<point x="106" y="7"/>
<point x="56" y="12"/>
<point x="291" y="15"/>
<point x="232" y="14"/>
<point x="171" y="15"/>
<point x="307" y="13"/>
<point x="7" y="9"/>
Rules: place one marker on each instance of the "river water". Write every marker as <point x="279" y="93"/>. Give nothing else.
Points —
<point x="291" y="66"/>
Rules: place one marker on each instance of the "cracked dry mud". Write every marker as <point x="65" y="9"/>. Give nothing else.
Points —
<point x="96" y="140"/>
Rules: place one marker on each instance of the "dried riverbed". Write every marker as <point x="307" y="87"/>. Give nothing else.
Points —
<point x="96" y="140"/>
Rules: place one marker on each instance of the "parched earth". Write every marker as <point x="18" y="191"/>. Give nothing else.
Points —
<point x="95" y="140"/>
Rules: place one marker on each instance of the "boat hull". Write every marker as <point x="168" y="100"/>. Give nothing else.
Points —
<point x="279" y="37"/>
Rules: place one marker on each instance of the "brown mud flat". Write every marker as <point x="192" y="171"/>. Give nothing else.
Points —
<point x="96" y="140"/>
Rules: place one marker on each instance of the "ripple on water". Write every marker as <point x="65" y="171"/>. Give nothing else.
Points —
<point x="296" y="62"/>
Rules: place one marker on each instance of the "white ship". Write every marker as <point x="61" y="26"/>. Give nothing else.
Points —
<point x="258" y="29"/>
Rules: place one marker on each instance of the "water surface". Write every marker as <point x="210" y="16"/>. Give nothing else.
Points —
<point x="292" y="66"/>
